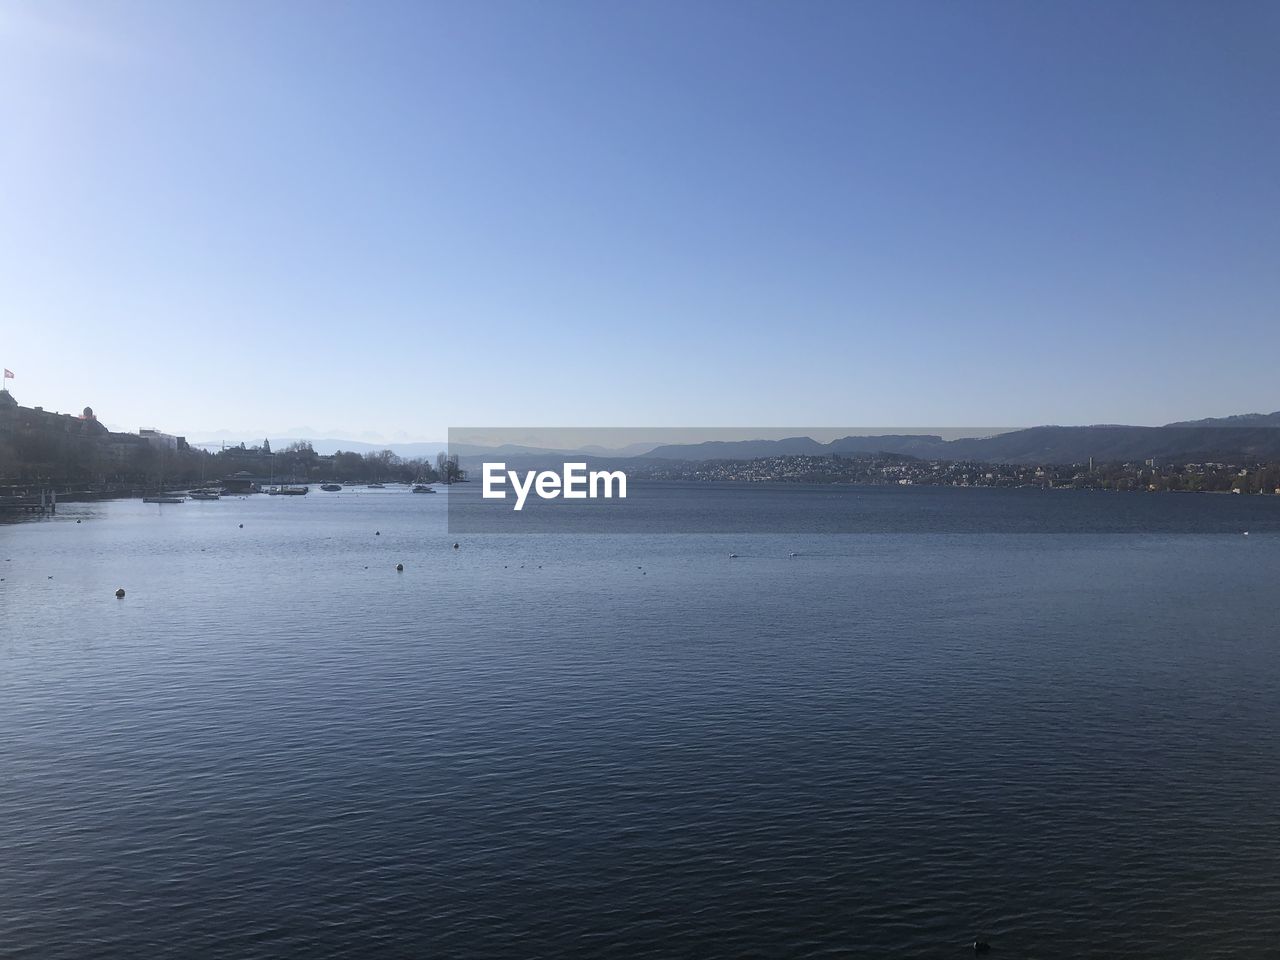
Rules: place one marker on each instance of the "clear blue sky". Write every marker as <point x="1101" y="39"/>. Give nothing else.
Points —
<point x="393" y="217"/>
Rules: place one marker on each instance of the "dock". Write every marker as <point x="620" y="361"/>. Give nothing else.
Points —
<point x="44" y="501"/>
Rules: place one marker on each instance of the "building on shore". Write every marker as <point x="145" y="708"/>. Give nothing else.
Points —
<point x="161" y="441"/>
<point x="35" y="442"/>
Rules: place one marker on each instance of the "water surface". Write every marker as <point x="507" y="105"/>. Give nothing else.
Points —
<point x="576" y="746"/>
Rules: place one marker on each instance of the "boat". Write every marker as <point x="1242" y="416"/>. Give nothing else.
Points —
<point x="205" y="494"/>
<point x="160" y="496"/>
<point x="377" y="486"/>
<point x="331" y="487"/>
<point x="422" y="488"/>
<point x="287" y="491"/>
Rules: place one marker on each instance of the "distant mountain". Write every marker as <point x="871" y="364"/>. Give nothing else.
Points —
<point x="1239" y="420"/>
<point x="739" y="449"/>
<point x="465" y="450"/>
<point x="429" y="449"/>
<point x="1120" y="444"/>
<point x="630" y="450"/>
<point x="327" y="445"/>
<point x="1035" y="445"/>
<point x="914" y="444"/>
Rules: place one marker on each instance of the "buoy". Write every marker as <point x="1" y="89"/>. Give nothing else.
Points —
<point x="377" y="533"/>
<point x="1246" y="533"/>
<point x="242" y="526"/>
<point x="120" y="594"/>
<point x="400" y="567"/>
<point x="79" y="521"/>
<point x="455" y="546"/>
<point x="981" y="946"/>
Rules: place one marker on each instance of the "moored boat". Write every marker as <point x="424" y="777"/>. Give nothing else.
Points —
<point x="331" y="487"/>
<point x="287" y="491"/>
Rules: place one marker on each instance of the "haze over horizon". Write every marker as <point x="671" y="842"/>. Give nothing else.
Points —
<point x="388" y="219"/>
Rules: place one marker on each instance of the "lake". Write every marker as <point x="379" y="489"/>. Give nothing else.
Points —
<point x="902" y="737"/>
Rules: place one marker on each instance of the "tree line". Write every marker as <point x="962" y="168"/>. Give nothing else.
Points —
<point x="88" y="462"/>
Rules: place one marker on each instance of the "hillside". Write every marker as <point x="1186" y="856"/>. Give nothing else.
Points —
<point x="1049" y="444"/>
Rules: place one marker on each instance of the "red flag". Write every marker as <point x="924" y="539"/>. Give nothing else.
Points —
<point x="8" y="374"/>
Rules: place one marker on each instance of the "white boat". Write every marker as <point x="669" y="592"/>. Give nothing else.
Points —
<point x="287" y="491"/>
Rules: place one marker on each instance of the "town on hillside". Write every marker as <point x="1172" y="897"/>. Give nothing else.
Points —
<point x="901" y="469"/>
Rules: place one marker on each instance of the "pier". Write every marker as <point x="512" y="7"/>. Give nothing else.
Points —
<point x="43" y="501"/>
